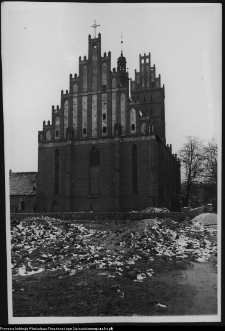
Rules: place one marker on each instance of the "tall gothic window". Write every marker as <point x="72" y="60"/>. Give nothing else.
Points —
<point x="134" y="169"/>
<point x="56" y="171"/>
<point x="94" y="173"/>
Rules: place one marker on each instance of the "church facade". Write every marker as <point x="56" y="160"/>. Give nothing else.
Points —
<point x="106" y="147"/>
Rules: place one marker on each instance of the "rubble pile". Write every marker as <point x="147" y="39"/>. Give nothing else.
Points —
<point x="152" y="210"/>
<point x="149" y="238"/>
<point x="206" y="218"/>
<point x="155" y="210"/>
<point x="48" y="244"/>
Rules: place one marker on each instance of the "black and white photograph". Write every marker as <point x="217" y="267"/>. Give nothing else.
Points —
<point x="112" y="138"/>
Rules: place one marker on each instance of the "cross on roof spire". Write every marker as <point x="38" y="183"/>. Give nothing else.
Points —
<point x="95" y="26"/>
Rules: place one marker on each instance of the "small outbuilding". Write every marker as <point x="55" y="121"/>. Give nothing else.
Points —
<point x="22" y="192"/>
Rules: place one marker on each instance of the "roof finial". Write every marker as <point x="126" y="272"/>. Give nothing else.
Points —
<point x="122" y="44"/>
<point x="95" y="26"/>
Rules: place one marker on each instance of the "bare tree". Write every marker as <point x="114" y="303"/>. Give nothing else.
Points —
<point x="210" y="154"/>
<point x="209" y="175"/>
<point x="191" y="156"/>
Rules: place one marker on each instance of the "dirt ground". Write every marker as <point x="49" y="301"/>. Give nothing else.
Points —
<point x="182" y="288"/>
<point x="178" y="287"/>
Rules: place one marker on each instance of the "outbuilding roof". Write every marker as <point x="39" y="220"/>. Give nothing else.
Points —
<point x="22" y="183"/>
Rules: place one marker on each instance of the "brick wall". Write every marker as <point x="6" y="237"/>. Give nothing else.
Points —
<point x="155" y="179"/>
<point x="29" y="201"/>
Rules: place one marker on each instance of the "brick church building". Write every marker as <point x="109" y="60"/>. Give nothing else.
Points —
<point x="106" y="148"/>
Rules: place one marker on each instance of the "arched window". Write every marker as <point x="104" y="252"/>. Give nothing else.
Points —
<point x="54" y="206"/>
<point x="147" y="72"/>
<point x="104" y="114"/>
<point x="117" y="129"/>
<point x="151" y="129"/>
<point x="94" y="157"/>
<point x="75" y="88"/>
<point x="133" y="120"/>
<point x="143" y="128"/>
<point x="134" y="169"/>
<point x="66" y="113"/>
<point x="48" y="135"/>
<point x="57" y="127"/>
<point x="104" y="76"/>
<point x="94" y="172"/>
<point x="114" y="108"/>
<point x="66" y="104"/>
<point x="75" y="110"/>
<point x="84" y="116"/>
<point x="122" y="104"/>
<point x="152" y="76"/>
<point x="138" y="82"/>
<point x="56" y="171"/>
<point x="142" y="79"/>
<point x="94" y="69"/>
<point x="84" y="79"/>
<point x="114" y="83"/>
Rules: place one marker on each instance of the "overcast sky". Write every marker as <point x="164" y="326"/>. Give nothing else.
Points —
<point x="42" y="43"/>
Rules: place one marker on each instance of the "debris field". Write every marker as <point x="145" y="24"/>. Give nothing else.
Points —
<point x="129" y="250"/>
<point x="49" y="244"/>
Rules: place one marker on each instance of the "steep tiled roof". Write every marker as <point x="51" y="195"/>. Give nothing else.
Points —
<point x="22" y="183"/>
